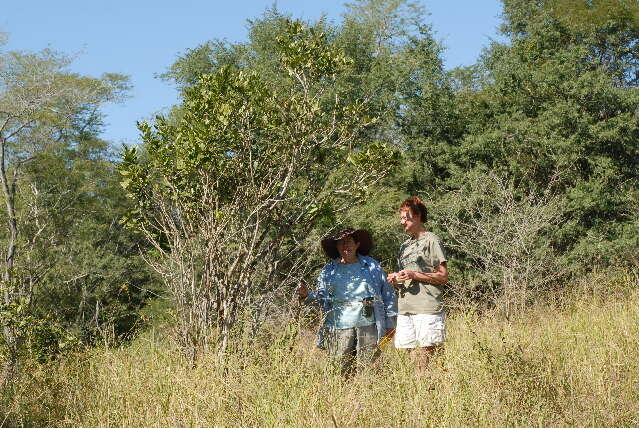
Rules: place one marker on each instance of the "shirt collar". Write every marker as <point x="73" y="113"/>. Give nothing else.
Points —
<point x="362" y="260"/>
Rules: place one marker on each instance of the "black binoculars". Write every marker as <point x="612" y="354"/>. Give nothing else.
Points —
<point x="368" y="306"/>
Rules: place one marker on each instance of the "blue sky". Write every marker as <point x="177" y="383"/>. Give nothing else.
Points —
<point x="142" y="38"/>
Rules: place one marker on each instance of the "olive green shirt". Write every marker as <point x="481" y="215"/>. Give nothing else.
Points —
<point x="423" y="254"/>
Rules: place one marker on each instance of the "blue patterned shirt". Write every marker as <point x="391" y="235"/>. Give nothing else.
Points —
<point x="350" y="287"/>
<point x="384" y="298"/>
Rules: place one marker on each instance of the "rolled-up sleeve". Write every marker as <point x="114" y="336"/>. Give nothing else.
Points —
<point x="319" y="297"/>
<point x="436" y="252"/>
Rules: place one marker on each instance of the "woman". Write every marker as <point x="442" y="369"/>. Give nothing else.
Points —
<point x="420" y="280"/>
<point x="359" y="305"/>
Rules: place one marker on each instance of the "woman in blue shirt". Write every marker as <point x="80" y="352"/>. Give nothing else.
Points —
<point x="359" y="305"/>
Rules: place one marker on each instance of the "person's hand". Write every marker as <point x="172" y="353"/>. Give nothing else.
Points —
<point x="392" y="278"/>
<point x="404" y="275"/>
<point x="302" y="290"/>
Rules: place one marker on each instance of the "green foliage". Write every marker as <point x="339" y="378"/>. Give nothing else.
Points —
<point x="95" y="282"/>
<point x="291" y="133"/>
<point x="379" y="216"/>
<point x="559" y="100"/>
<point x="259" y="54"/>
<point x="592" y="15"/>
<point x="230" y="191"/>
<point x="305" y="52"/>
<point x="65" y="262"/>
<point x="208" y="139"/>
<point x="42" y="338"/>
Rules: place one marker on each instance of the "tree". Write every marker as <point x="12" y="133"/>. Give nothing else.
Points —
<point x="503" y="230"/>
<point x="228" y="195"/>
<point x="42" y="106"/>
<point x="559" y="99"/>
<point x="377" y="35"/>
<point x="259" y="53"/>
<point x="97" y="280"/>
<point x="397" y="67"/>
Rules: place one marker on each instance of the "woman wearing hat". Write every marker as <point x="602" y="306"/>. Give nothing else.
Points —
<point x="359" y="305"/>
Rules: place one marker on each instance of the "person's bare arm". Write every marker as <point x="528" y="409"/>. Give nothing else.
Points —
<point x="439" y="277"/>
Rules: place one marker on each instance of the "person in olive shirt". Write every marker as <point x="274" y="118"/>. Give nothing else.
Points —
<point x="419" y="283"/>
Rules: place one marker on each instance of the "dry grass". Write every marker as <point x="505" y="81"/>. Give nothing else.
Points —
<point x="577" y="365"/>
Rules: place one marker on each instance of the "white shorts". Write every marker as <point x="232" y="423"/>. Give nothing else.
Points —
<point x="420" y="330"/>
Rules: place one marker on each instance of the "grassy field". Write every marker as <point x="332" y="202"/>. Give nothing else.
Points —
<point x="567" y="364"/>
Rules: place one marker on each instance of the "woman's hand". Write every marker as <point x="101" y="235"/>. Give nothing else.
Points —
<point x="302" y="290"/>
<point x="405" y="275"/>
<point x="438" y="277"/>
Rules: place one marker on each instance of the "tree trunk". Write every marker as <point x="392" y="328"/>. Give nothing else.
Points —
<point x="10" y="335"/>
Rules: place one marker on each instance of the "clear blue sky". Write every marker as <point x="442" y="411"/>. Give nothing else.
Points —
<point x="142" y="38"/>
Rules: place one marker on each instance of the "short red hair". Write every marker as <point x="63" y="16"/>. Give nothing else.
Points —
<point x="416" y="207"/>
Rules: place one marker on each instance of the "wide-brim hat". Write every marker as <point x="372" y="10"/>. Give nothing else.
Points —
<point x="329" y="244"/>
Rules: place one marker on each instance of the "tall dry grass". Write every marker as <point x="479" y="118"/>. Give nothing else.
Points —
<point x="574" y="363"/>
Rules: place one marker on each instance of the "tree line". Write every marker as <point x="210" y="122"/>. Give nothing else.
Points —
<point x="526" y="157"/>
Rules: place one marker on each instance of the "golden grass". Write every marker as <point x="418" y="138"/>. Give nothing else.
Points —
<point x="578" y="366"/>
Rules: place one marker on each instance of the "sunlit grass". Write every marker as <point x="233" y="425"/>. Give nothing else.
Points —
<point x="577" y="365"/>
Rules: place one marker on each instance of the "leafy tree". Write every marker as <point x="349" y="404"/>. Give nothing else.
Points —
<point x="259" y="53"/>
<point x="395" y="65"/>
<point x="96" y="281"/>
<point x="560" y="99"/>
<point x="377" y="35"/>
<point x="398" y="67"/>
<point x="43" y="107"/>
<point x="228" y="194"/>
